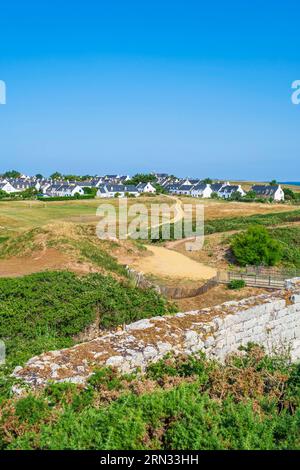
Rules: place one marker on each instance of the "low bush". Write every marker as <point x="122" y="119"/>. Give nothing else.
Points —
<point x="44" y="311"/>
<point x="256" y="247"/>
<point x="188" y="403"/>
<point x="236" y="284"/>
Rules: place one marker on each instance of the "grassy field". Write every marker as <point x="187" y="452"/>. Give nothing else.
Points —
<point x="35" y="235"/>
<point x="22" y="215"/>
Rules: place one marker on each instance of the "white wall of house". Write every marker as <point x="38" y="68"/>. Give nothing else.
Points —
<point x="204" y="193"/>
<point x="149" y="188"/>
<point x="279" y="194"/>
<point x="227" y="195"/>
<point x="8" y="188"/>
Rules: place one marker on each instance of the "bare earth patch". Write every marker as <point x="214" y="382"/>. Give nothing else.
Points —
<point x="217" y="295"/>
<point x="48" y="259"/>
<point x="169" y="263"/>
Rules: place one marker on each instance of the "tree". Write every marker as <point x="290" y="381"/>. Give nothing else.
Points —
<point x="256" y="247"/>
<point x="12" y="174"/>
<point x="39" y="176"/>
<point x="3" y="194"/>
<point x="236" y="196"/>
<point x="273" y="183"/>
<point x="56" y="176"/>
<point x="289" y="195"/>
<point x="159" y="189"/>
<point x="207" y="181"/>
<point x="91" y="191"/>
<point x="28" y="193"/>
<point x="142" y="178"/>
<point x="250" y="195"/>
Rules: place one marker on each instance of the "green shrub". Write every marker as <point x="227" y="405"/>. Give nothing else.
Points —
<point x="256" y="247"/>
<point x="236" y="284"/>
<point x="31" y="409"/>
<point x="190" y="403"/>
<point x="44" y="311"/>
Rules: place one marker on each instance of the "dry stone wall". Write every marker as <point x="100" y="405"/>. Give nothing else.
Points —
<point x="272" y="320"/>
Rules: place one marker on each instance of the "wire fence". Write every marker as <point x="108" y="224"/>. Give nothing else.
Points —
<point x="259" y="276"/>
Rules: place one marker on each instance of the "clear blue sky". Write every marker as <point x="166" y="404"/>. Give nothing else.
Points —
<point x="188" y="87"/>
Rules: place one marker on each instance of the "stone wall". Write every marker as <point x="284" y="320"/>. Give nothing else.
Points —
<point x="272" y="320"/>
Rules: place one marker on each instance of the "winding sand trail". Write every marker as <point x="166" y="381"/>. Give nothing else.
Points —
<point x="164" y="262"/>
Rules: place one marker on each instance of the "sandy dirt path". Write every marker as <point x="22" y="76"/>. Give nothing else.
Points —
<point x="167" y="263"/>
<point x="164" y="262"/>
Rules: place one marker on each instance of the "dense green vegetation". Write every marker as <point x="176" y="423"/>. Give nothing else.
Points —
<point x="44" y="311"/>
<point x="142" y="178"/>
<point x="289" y="239"/>
<point x="240" y="223"/>
<point x="255" y="246"/>
<point x="236" y="284"/>
<point x="259" y="246"/>
<point x="66" y="198"/>
<point x="251" y="402"/>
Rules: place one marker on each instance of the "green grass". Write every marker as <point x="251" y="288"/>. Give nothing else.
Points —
<point x="23" y="215"/>
<point x="239" y="223"/>
<point x="184" y="404"/>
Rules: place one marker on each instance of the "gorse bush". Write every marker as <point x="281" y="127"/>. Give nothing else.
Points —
<point x="236" y="284"/>
<point x="256" y="247"/>
<point x="289" y="239"/>
<point x="250" y="402"/>
<point x="44" y="311"/>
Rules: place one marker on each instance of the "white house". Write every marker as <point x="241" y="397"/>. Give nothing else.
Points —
<point x="21" y="184"/>
<point x="173" y="188"/>
<point x="146" y="188"/>
<point x="7" y="187"/>
<point x="185" y="189"/>
<point x="227" y="191"/>
<point x="216" y="187"/>
<point x="117" y="190"/>
<point x="201" y="190"/>
<point x="64" y="190"/>
<point x="274" y="192"/>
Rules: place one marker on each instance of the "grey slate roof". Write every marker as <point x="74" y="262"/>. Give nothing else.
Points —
<point x="264" y="190"/>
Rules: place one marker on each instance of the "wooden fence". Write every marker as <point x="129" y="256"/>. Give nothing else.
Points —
<point x="258" y="277"/>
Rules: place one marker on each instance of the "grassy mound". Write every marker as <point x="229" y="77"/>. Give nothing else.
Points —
<point x="78" y="242"/>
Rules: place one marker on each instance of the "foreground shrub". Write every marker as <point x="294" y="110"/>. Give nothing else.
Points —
<point x="236" y="284"/>
<point x="44" y="311"/>
<point x="256" y="247"/>
<point x="250" y="402"/>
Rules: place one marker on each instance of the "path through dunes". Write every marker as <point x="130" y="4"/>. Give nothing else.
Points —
<point x="164" y="262"/>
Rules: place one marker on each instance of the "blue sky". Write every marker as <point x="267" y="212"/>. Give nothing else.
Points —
<point x="187" y="87"/>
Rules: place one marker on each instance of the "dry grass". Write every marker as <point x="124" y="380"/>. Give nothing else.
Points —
<point x="62" y="246"/>
<point x="220" y="209"/>
<point x="217" y="295"/>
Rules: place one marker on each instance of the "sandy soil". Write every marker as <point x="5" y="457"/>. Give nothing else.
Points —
<point x="216" y="296"/>
<point x="49" y="259"/>
<point x="164" y="262"/>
